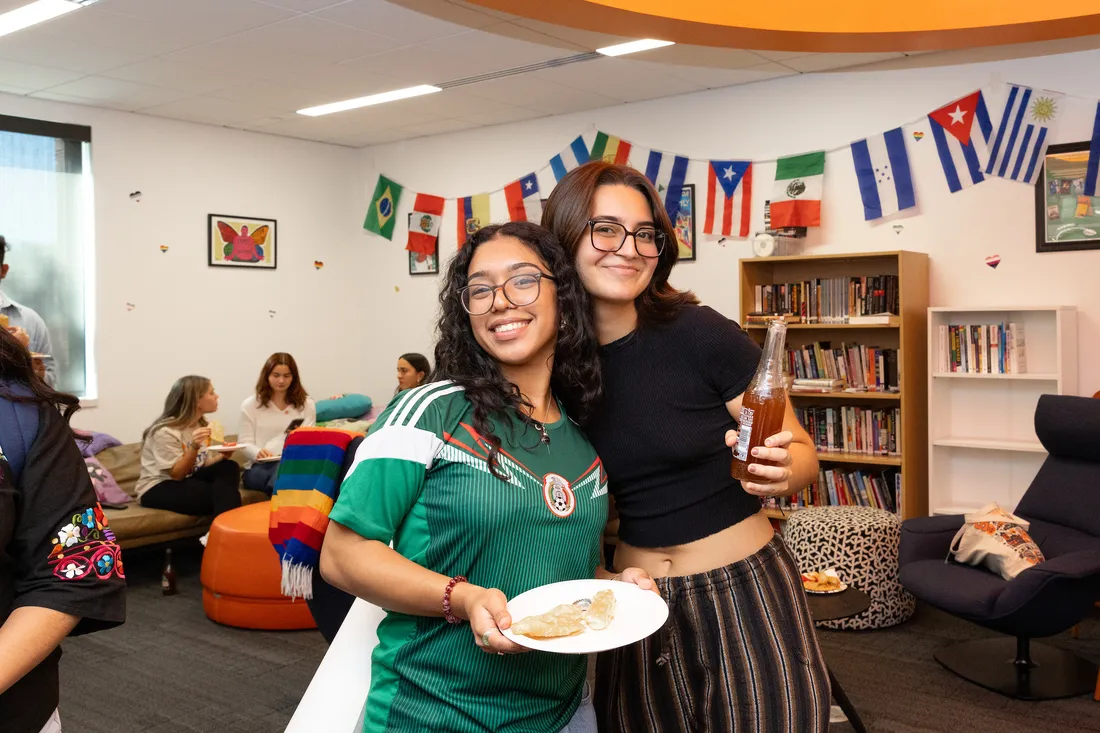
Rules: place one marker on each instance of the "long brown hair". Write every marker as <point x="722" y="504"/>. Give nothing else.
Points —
<point x="569" y="209"/>
<point x="181" y="405"/>
<point x="17" y="375"/>
<point x="296" y="394"/>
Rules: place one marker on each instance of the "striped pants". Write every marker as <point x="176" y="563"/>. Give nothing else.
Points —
<point x="738" y="653"/>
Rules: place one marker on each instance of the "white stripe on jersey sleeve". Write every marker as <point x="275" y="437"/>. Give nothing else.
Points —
<point x="400" y="414"/>
<point x="432" y="398"/>
<point x="401" y="442"/>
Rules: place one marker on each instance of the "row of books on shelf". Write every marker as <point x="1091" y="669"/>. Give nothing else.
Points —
<point x="833" y="300"/>
<point x="867" y="368"/>
<point x="879" y="489"/>
<point x="853" y="429"/>
<point x="997" y="348"/>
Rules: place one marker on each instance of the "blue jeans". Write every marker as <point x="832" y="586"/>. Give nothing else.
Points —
<point x="261" y="477"/>
<point x="584" y="720"/>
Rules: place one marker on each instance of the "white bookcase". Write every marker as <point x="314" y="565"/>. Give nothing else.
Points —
<point x="982" y="445"/>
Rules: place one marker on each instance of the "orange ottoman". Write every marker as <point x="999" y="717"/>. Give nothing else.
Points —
<point x="241" y="575"/>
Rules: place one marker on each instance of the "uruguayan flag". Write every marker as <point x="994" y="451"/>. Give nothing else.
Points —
<point x="576" y="154"/>
<point x="882" y="169"/>
<point x="1024" y="133"/>
<point x="667" y="173"/>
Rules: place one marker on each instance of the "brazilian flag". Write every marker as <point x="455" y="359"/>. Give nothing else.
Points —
<point x="383" y="208"/>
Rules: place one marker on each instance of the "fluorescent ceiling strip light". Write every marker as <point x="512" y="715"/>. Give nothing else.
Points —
<point x="633" y="47"/>
<point x="327" y="109"/>
<point x="35" y="13"/>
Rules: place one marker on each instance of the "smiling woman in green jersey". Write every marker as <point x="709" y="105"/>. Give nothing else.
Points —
<point x="486" y="489"/>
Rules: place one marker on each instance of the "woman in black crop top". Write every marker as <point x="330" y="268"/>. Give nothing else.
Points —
<point x="739" y="651"/>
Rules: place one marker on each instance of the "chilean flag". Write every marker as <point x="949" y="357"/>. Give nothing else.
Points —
<point x="963" y="150"/>
<point x="729" y="198"/>
<point x="523" y="199"/>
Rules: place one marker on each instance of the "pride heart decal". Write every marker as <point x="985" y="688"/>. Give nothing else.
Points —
<point x="130" y="306"/>
<point x="318" y="264"/>
<point x="164" y="248"/>
<point x="918" y="136"/>
<point x="993" y="261"/>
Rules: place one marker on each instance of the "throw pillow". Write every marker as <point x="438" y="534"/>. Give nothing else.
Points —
<point x="347" y="406"/>
<point x="997" y="539"/>
<point x="106" y="488"/>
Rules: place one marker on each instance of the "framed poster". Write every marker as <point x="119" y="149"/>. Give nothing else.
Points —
<point x="1066" y="219"/>
<point x="422" y="264"/>
<point x="241" y="241"/>
<point x="685" y="224"/>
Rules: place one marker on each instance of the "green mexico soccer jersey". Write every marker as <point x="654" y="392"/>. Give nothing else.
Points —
<point x="420" y="480"/>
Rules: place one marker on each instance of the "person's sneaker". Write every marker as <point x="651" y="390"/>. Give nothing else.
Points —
<point x="204" y="538"/>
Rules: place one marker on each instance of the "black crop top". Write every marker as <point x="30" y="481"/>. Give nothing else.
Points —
<point x="660" y="430"/>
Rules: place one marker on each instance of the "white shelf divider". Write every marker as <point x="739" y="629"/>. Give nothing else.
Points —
<point x="1036" y="376"/>
<point x="1021" y="446"/>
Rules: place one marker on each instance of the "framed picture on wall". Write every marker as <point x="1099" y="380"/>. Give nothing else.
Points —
<point x="1066" y="219"/>
<point x="685" y="224"/>
<point x="422" y="264"/>
<point x="241" y="241"/>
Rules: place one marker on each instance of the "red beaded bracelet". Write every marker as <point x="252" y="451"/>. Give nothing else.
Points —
<point x="451" y="618"/>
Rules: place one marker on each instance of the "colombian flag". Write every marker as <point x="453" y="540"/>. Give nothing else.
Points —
<point x="473" y="213"/>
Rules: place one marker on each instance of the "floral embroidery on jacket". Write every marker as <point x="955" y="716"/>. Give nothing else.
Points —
<point x="86" y="545"/>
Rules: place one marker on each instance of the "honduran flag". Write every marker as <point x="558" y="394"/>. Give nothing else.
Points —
<point x="667" y="173"/>
<point x="473" y="213"/>
<point x="882" y="169"/>
<point x="576" y="154"/>
<point x="1025" y="130"/>
<point x="523" y="199"/>
<point x="424" y="224"/>
<point x="1094" y="157"/>
<point x="962" y="130"/>
<point x="729" y="198"/>
<point x="610" y="149"/>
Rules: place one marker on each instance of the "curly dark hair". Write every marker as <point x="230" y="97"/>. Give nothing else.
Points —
<point x="575" y="376"/>
<point x="17" y="369"/>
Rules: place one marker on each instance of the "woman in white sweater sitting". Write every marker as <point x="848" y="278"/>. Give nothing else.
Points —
<point x="279" y="406"/>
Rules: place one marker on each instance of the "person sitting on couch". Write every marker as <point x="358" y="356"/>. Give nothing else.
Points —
<point x="279" y="406"/>
<point x="178" y="473"/>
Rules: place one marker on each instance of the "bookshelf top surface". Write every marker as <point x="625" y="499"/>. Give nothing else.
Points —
<point x="838" y="256"/>
<point x="1006" y="309"/>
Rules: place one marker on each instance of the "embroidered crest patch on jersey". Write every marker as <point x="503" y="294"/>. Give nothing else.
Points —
<point x="558" y="495"/>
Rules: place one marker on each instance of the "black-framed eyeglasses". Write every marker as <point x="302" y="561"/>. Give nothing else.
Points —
<point x="522" y="289"/>
<point x="610" y="236"/>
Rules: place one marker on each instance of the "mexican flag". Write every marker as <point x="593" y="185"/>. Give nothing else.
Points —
<point x="796" y="197"/>
<point x="381" y="216"/>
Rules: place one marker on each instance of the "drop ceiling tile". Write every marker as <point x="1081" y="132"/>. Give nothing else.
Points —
<point x="6" y="5"/>
<point x="274" y="95"/>
<point x="829" y="61"/>
<point x="439" y="127"/>
<point x="483" y="10"/>
<point x="585" y="39"/>
<point x="518" y="32"/>
<point x="119" y="94"/>
<point x="192" y="78"/>
<point x="339" y="81"/>
<point x="32" y="77"/>
<point x="303" y="6"/>
<point x="219" y="18"/>
<point x="209" y="110"/>
<point x="540" y="95"/>
<point x="716" y="78"/>
<point x="394" y="21"/>
<point x="458" y="13"/>
<point x="35" y="47"/>
<point x="503" y="115"/>
<point x="14" y="90"/>
<point x="66" y="98"/>
<point x="441" y="60"/>
<point x="781" y="55"/>
<point x="619" y="79"/>
<point x="707" y="56"/>
<point x="128" y="33"/>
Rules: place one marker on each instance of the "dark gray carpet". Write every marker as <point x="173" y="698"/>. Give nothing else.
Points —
<point x="170" y="670"/>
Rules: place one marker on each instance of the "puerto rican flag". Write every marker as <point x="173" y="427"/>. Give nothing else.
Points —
<point x="523" y="199"/>
<point x="1027" y="125"/>
<point x="667" y="173"/>
<point x="729" y="198"/>
<point x="962" y="130"/>
<point x="576" y="154"/>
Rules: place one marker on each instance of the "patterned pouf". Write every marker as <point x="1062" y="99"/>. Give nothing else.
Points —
<point x="862" y="544"/>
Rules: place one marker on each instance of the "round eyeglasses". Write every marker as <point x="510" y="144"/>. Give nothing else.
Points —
<point x="518" y="290"/>
<point x="610" y="236"/>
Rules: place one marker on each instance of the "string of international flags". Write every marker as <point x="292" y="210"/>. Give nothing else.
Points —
<point x="970" y="144"/>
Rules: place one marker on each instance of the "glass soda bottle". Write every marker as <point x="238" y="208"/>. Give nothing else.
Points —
<point x="762" y="406"/>
<point x="168" y="575"/>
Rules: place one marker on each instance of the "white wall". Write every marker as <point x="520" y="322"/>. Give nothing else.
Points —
<point x="763" y="120"/>
<point x="191" y="318"/>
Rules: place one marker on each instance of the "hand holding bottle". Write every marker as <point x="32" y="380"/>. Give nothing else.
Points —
<point x="773" y="478"/>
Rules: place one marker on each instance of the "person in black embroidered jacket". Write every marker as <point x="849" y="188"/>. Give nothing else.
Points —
<point x="61" y="570"/>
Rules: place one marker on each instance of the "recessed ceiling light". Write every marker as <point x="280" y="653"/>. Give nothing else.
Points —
<point x="37" y="12"/>
<point x="633" y="47"/>
<point x="327" y="109"/>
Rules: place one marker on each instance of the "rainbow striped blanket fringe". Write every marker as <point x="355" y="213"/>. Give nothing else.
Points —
<point x="305" y="490"/>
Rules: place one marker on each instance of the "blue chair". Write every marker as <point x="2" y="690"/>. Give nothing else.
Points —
<point x="1063" y="506"/>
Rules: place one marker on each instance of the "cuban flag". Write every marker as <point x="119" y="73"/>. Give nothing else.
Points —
<point x="1024" y="133"/>
<point x="962" y="130"/>
<point x="667" y="173"/>
<point x="576" y="154"/>
<point x="882" y="169"/>
<point x="523" y="199"/>
<point x="1094" y="156"/>
<point x="729" y="198"/>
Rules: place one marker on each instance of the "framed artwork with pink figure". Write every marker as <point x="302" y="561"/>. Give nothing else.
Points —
<point x="241" y="241"/>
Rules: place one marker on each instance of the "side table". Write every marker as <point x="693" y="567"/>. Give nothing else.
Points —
<point x="849" y="602"/>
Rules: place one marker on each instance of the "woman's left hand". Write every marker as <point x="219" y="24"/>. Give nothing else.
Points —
<point x="774" y="479"/>
<point x="638" y="577"/>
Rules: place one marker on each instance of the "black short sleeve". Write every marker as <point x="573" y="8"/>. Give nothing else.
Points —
<point x="66" y="557"/>
<point x="726" y="354"/>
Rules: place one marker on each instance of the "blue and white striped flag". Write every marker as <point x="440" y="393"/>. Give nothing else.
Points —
<point x="1024" y="133"/>
<point x="962" y="130"/>
<point x="576" y="154"/>
<point x="1094" y="156"/>
<point x="667" y="173"/>
<point x="882" y="169"/>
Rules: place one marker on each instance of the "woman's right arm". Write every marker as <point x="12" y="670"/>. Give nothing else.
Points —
<point x="178" y="459"/>
<point x="246" y="435"/>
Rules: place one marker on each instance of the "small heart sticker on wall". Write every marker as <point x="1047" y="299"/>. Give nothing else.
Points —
<point x="164" y="248"/>
<point x="130" y="306"/>
<point x="993" y="261"/>
<point x="271" y="314"/>
<point x="918" y="136"/>
<point x="318" y="264"/>
<point x="136" y="197"/>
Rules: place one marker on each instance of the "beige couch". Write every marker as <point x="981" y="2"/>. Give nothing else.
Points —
<point x="136" y="525"/>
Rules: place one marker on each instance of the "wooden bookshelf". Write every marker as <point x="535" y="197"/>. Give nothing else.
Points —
<point x="907" y="333"/>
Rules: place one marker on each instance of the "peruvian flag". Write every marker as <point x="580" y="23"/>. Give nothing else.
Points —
<point x="729" y="198"/>
<point x="424" y="223"/>
<point x="523" y="199"/>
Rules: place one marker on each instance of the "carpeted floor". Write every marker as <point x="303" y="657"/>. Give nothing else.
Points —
<point x="169" y="669"/>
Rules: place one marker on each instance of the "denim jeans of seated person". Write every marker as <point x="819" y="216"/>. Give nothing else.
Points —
<point x="584" y="720"/>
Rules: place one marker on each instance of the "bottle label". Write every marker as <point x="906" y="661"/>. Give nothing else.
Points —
<point x="164" y="581"/>
<point x="741" y="452"/>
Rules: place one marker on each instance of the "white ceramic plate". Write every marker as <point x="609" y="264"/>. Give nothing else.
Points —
<point x="843" y="586"/>
<point x="638" y="613"/>
<point x="223" y="448"/>
<point x="269" y="459"/>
